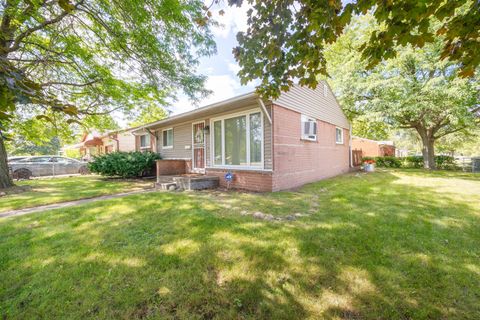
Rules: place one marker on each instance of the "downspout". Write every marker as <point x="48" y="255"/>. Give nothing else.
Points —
<point x="350" y="144"/>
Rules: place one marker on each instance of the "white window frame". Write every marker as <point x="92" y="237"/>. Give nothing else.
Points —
<point x="341" y="130"/>
<point x="150" y="142"/>
<point x="173" y="137"/>
<point x="325" y="90"/>
<point x="305" y="118"/>
<point x="212" y="140"/>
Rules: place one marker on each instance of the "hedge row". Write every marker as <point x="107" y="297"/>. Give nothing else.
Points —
<point x="124" y="164"/>
<point x="442" y="162"/>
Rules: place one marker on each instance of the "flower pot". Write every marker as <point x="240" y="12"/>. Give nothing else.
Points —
<point x="369" y="167"/>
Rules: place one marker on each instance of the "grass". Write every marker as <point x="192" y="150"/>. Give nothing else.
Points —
<point x="395" y="244"/>
<point x="53" y="190"/>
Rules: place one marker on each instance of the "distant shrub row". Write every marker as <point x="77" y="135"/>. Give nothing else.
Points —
<point x="124" y="164"/>
<point x="442" y="162"/>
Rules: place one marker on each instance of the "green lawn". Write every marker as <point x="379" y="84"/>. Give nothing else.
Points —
<point x="388" y="245"/>
<point x="53" y="190"/>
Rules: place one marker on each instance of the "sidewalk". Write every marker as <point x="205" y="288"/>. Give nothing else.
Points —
<point x="70" y="203"/>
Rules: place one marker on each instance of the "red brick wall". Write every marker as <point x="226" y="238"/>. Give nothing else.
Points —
<point x="170" y="167"/>
<point x="369" y="148"/>
<point x="259" y="181"/>
<point x="297" y="161"/>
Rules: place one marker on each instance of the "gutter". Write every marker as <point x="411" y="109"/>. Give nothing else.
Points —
<point x="196" y="111"/>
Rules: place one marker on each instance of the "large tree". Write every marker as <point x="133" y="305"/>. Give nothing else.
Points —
<point x="64" y="60"/>
<point x="286" y="39"/>
<point x="414" y="90"/>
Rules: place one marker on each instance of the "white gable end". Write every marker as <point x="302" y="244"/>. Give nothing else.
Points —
<point x="320" y="104"/>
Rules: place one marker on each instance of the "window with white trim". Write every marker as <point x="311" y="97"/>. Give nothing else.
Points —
<point x="145" y="141"/>
<point x="325" y="90"/>
<point x="339" y="135"/>
<point x="238" y="140"/>
<point x="167" y="138"/>
<point x="309" y="128"/>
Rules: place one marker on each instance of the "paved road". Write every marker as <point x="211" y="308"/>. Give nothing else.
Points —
<point x="70" y="203"/>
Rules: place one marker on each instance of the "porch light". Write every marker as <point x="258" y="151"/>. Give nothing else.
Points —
<point x="206" y="130"/>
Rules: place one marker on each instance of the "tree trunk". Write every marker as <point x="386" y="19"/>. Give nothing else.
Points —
<point x="5" y="179"/>
<point x="428" y="152"/>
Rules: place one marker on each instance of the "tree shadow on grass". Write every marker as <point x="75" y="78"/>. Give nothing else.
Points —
<point x="380" y="250"/>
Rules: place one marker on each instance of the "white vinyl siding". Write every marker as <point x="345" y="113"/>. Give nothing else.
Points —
<point x="314" y="103"/>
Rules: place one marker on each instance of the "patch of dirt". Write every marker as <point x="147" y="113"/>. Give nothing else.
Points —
<point x="14" y="190"/>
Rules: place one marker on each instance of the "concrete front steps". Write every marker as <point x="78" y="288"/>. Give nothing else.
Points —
<point x="187" y="182"/>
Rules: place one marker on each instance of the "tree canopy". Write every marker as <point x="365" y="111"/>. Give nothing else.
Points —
<point x="69" y="60"/>
<point x="414" y="90"/>
<point x="286" y="39"/>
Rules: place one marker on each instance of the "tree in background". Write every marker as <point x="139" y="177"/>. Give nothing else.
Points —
<point x="149" y="113"/>
<point x="286" y="39"/>
<point x="415" y="90"/>
<point x="464" y="143"/>
<point x="68" y="60"/>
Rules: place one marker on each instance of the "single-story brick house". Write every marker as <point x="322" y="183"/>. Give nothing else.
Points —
<point x="301" y="137"/>
<point x="373" y="148"/>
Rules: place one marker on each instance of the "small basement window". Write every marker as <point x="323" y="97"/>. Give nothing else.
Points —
<point x="339" y="135"/>
<point x="167" y="138"/>
<point x="145" y="141"/>
<point x="309" y="128"/>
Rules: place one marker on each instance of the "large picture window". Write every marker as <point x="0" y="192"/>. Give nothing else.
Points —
<point x="237" y="141"/>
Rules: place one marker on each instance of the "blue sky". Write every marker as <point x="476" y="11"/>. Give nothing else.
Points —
<point x="221" y="68"/>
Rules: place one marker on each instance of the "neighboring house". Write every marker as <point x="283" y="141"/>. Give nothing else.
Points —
<point x="95" y="143"/>
<point x="301" y="137"/>
<point x="373" y="148"/>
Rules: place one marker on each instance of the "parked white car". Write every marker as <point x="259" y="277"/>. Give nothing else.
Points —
<point x="46" y="166"/>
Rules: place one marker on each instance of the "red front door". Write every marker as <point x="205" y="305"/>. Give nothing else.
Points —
<point x="198" y="140"/>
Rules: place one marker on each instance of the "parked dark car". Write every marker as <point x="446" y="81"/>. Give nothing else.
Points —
<point x="46" y="166"/>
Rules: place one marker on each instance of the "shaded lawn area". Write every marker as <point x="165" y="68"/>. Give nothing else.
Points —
<point x="388" y="245"/>
<point x="52" y="190"/>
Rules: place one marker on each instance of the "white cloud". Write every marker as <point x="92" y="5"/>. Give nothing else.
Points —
<point x="233" y="20"/>
<point x="222" y="86"/>
<point x="233" y="67"/>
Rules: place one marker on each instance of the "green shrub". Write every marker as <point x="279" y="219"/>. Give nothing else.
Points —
<point x="445" y="162"/>
<point x="412" y="162"/>
<point x="124" y="164"/>
<point x="388" y="162"/>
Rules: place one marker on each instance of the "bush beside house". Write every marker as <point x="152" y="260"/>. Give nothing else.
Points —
<point x="125" y="164"/>
<point x="442" y="162"/>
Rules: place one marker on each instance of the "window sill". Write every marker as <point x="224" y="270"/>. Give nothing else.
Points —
<point x="167" y="147"/>
<point x="242" y="168"/>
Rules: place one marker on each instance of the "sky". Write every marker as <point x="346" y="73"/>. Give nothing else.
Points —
<point x="221" y="68"/>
